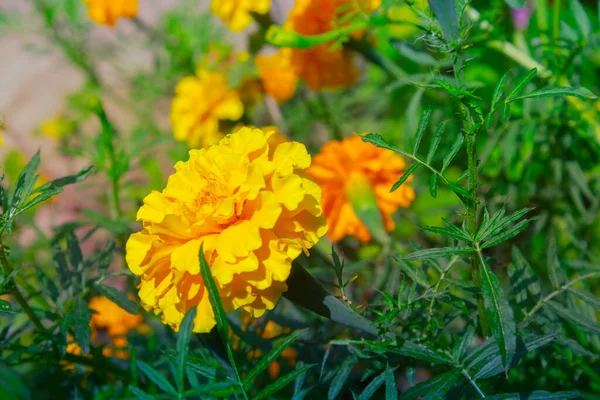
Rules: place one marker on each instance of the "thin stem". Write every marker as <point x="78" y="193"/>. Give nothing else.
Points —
<point x="557" y="292"/>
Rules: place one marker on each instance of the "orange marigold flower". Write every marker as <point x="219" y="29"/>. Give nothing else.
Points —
<point x="277" y="74"/>
<point x="107" y="12"/>
<point x="253" y="210"/>
<point x="236" y="13"/>
<point x="350" y="165"/>
<point x="323" y="66"/>
<point x="199" y="103"/>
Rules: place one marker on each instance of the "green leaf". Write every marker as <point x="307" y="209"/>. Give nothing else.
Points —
<point x="271" y="356"/>
<point x="183" y="341"/>
<point x="118" y="297"/>
<point x="434" y="388"/>
<point x="536" y="395"/>
<point x="452" y="232"/>
<point x="82" y="315"/>
<point x="404" y="177"/>
<point x="523" y="281"/>
<point x="421" y="352"/>
<point x="428" y="254"/>
<point x="445" y="13"/>
<point x="391" y="391"/>
<point x="12" y="385"/>
<point x="340" y="378"/>
<point x="321" y="302"/>
<point x="581" y="93"/>
<point x="66" y="180"/>
<point x="506" y="235"/>
<point x="498" y="312"/>
<point x="140" y="394"/>
<point x="499" y="91"/>
<point x="556" y="273"/>
<point x="433" y="185"/>
<point x="435" y="142"/>
<point x="372" y="387"/>
<point x="499" y="222"/>
<point x="220" y="317"/>
<point x="456" y="146"/>
<point x="583" y="322"/>
<point x="157" y="378"/>
<point x="583" y="22"/>
<point x="282" y="382"/>
<point x="522" y="84"/>
<point x="421" y="129"/>
<point x="40" y="199"/>
<point x="464" y="343"/>
<point x="26" y="182"/>
<point x="587" y="297"/>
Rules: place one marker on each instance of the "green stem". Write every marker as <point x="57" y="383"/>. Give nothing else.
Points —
<point x="557" y="292"/>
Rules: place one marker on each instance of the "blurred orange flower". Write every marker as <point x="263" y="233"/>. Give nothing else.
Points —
<point x="237" y="13"/>
<point x="277" y="75"/>
<point x="250" y="205"/>
<point x="199" y="103"/>
<point x="351" y="165"/>
<point x="107" y="12"/>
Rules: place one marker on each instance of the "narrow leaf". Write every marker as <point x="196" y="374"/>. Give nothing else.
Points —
<point x="439" y="252"/>
<point x="183" y="340"/>
<point x="522" y="84"/>
<point x="66" y="180"/>
<point x="340" y="378"/>
<point x="583" y="22"/>
<point x="421" y="129"/>
<point x="499" y="313"/>
<point x="372" y="387"/>
<point x="435" y="142"/>
<point x="587" y="297"/>
<point x="391" y="391"/>
<point x="421" y="352"/>
<point x="536" y="395"/>
<point x="157" y="378"/>
<point x="523" y="280"/>
<point x="404" y="177"/>
<point x="499" y="91"/>
<point x="82" y="315"/>
<point x="456" y="146"/>
<point x="581" y="93"/>
<point x="434" y="388"/>
<point x="282" y="382"/>
<point x="118" y="297"/>
<point x="506" y="235"/>
<point x="556" y="273"/>
<point x="140" y="394"/>
<point x="446" y="15"/>
<point x="581" y="321"/>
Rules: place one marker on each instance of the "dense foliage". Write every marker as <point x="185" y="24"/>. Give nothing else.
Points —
<point x="455" y="155"/>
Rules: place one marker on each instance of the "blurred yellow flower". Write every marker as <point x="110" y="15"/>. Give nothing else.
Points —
<point x="107" y="12"/>
<point x="277" y="74"/>
<point x="199" y="103"/>
<point x="324" y="66"/>
<point x="237" y="13"/>
<point x="350" y="165"/>
<point x="56" y="128"/>
<point x="254" y="211"/>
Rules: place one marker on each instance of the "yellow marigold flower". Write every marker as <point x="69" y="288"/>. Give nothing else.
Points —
<point x="236" y="13"/>
<point x="322" y="66"/>
<point x="253" y="209"/>
<point x="56" y="128"/>
<point x="277" y="74"/>
<point x="350" y="165"/>
<point x="107" y="12"/>
<point x="199" y="103"/>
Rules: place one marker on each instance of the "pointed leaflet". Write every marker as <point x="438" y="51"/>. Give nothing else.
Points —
<point x="536" y="395"/>
<point x="183" y="341"/>
<point x="583" y="322"/>
<point x="340" y="377"/>
<point x="428" y="254"/>
<point x="580" y="92"/>
<point x="435" y="142"/>
<point x="282" y="382"/>
<point x="445" y="12"/>
<point x="391" y="391"/>
<point x="583" y="22"/>
<point x="555" y="271"/>
<point x="456" y="146"/>
<point x="157" y="378"/>
<point x="118" y="297"/>
<point x="372" y="387"/>
<point x="404" y="177"/>
<point x="321" y="302"/>
<point x="82" y="315"/>
<point x="434" y="388"/>
<point x="520" y="86"/>
<point x="523" y="281"/>
<point x="66" y="180"/>
<point x="498" y="312"/>
<point x="421" y="129"/>
<point x="499" y="91"/>
<point x="220" y="317"/>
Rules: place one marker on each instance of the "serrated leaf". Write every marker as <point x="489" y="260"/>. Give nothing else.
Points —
<point x="271" y="356"/>
<point x="522" y="84"/>
<point x="391" y="391"/>
<point x="40" y="199"/>
<point x="118" y="297"/>
<point x="82" y="315"/>
<point x="583" y="22"/>
<point x="66" y="180"/>
<point x="499" y="90"/>
<point x="439" y="252"/>
<point x="445" y="13"/>
<point x="433" y="185"/>
<point x="282" y="382"/>
<point x="506" y="235"/>
<point x="321" y="302"/>
<point x="451" y="231"/>
<point x="435" y="142"/>
<point x="421" y="129"/>
<point x="583" y="322"/>
<point x="404" y="177"/>
<point x="156" y="377"/>
<point x="456" y="146"/>
<point x="421" y="352"/>
<point x="498" y="312"/>
<point x="581" y="93"/>
<point x="434" y="388"/>
<point x="372" y="387"/>
<point x="340" y="378"/>
<point x="183" y="341"/>
<point x="536" y="395"/>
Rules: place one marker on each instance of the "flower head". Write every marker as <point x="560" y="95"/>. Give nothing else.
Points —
<point x="236" y="13"/>
<point x="277" y="74"/>
<point x="250" y="205"/>
<point x="199" y="104"/>
<point x="342" y="168"/>
<point x="107" y="12"/>
<point x="57" y="128"/>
